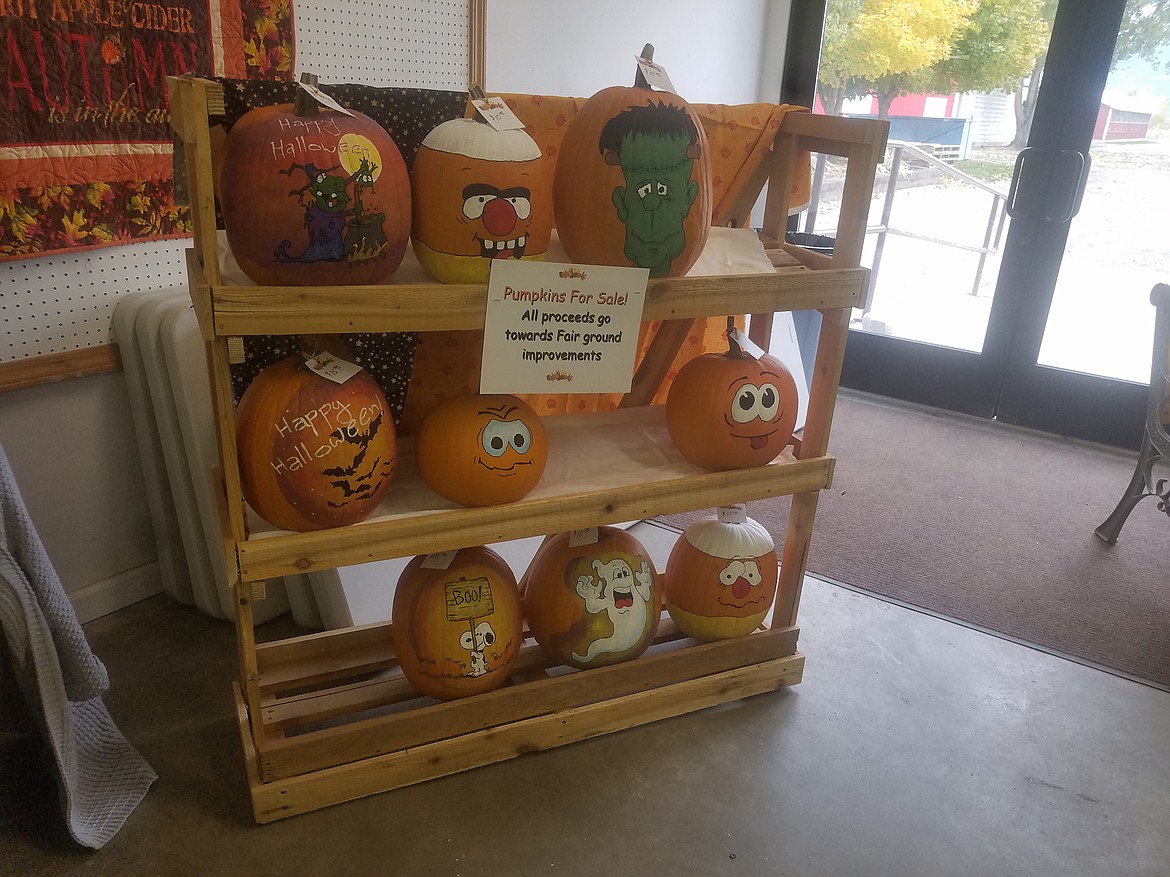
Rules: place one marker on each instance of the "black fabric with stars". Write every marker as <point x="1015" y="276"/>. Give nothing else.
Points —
<point x="408" y="115"/>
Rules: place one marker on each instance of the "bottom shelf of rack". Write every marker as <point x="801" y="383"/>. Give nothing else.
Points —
<point x="345" y="724"/>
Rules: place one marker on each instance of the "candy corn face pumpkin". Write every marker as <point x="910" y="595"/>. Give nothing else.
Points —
<point x="480" y="196"/>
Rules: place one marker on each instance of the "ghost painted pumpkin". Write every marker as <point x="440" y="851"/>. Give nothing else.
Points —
<point x="720" y="579"/>
<point x="316" y="198"/>
<point x="481" y="449"/>
<point x="731" y="410"/>
<point x="480" y="196"/>
<point x="458" y="628"/>
<point x="633" y="182"/>
<point x="313" y="453"/>
<point x="594" y="603"/>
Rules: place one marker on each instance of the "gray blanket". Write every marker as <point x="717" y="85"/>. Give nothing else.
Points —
<point x="100" y="775"/>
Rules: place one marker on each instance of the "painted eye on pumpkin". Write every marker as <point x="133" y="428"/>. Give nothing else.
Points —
<point x="499" y="435"/>
<point x="522" y="206"/>
<point x="473" y="206"/>
<point x="756" y="403"/>
<point x="662" y="190"/>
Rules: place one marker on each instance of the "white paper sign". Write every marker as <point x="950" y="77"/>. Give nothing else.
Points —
<point x="656" y="76"/>
<point x="322" y="98"/>
<point x="560" y="328"/>
<point x="496" y="113"/>
<point x="329" y="366"/>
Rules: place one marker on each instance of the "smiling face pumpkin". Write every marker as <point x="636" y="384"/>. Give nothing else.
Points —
<point x="482" y="449"/>
<point x="728" y="411"/>
<point x="721" y="578"/>
<point x="480" y="195"/>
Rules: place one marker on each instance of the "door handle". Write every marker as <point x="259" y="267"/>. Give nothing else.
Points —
<point x="1082" y="162"/>
<point x="1012" y="206"/>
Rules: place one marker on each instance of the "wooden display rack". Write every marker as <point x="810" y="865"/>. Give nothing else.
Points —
<point x="327" y="717"/>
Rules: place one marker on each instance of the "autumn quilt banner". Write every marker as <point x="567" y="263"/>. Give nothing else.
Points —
<point x="85" y="136"/>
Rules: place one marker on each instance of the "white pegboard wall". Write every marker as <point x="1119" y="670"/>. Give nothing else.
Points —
<point x="61" y="303"/>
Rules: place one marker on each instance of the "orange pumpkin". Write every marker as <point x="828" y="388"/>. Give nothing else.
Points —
<point x="730" y="410"/>
<point x="592" y="604"/>
<point x="458" y="629"/>
<point x="480" y="195"/>
<point x="314" y="453"/>
<point x="481" y="449"/>
<point x="318" y="199"/>
<point x="632" y="185"/>
<point x="721" y="578"/>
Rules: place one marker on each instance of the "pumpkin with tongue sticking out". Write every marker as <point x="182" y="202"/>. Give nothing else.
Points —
<point x="721" y="577"/>
<point x="479" y="195"/>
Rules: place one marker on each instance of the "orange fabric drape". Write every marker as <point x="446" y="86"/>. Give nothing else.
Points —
<point x="739" y="138"/>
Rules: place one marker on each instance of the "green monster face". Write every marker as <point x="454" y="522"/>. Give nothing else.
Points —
<point x="654" y="146"/>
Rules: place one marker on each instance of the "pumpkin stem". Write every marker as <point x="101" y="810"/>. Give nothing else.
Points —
<point x="476" y="92"/>
<point x="303" y="103"/>
<point x="734" y="351"/>
<point x="639" y="79"/>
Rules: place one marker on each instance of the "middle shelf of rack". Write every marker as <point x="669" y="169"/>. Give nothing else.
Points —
<point x="603" y="468"/>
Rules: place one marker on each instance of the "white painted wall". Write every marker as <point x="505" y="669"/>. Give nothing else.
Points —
<point x="714" y="52"/>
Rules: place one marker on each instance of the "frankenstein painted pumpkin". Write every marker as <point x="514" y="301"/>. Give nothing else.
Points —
<point x="313" y="453"/>
<point x="721" y="577"/>
<point x="318" y="198"/>
<point x="480" y="195"/>
<point x="458" y="628"/>
<point x="731" y="410"/>
<point x="633" y="182"/>
<point x="481" y="449"/>
<point x="594" y="603"/>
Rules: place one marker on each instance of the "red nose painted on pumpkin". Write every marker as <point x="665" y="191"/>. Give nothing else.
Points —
<point x="741" y="588"/>
<point x="499" y="217"/>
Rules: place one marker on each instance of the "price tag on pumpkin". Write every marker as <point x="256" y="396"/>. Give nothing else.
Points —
<point x="498" y="114"/>
<point x="331" y="368"/>
<point x="655" y="75"/>
<point x="584" y="536"/>
<point x="747" y="345"/>
<point x="322" y="98"/>
<point x="733" y="514"/>
<point x="439" y="560"/>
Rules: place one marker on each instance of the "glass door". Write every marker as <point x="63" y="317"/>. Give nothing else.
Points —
<point x="972" y="226"/>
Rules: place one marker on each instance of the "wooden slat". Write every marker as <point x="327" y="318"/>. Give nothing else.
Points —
<point x="37" y="370"/>
<point x="293" y="553"/>
<point x="281" y="758"/>
<point x="294" y="310"/>
<point x="330" y="654"/>
<point x="288" y="797"/>
<point x="655" y="365"/>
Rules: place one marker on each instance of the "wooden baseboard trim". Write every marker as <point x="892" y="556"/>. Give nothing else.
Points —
<point x="35" y="370"/>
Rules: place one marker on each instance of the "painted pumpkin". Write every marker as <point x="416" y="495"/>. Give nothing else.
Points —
<point x="730" y="410"/>
<point x="480" y="195"/>
<point x="592" y="604"/>
<point x="633" y="182"/>
<point x="721" y="578"/>
<point x="318" y="199"/>
<point x="457" y="630"/>
<point x="481" y="449"/>
<point x="313" y="453"/>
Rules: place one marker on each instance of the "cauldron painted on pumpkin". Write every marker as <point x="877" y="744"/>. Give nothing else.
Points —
<point x="730" y="410"/>
<point x="595" y="603"/>
<point x="479" y="196"/>
<point x="720" y="579"/>
<point x="315" y="198"/>
<point x="314" y="453"/>
<point x="481" y="449"/>
<point x="633" y="182"/>
<point x="458" y="629"/>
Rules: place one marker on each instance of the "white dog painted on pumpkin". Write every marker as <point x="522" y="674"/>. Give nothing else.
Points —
<point x="623" y="595"/>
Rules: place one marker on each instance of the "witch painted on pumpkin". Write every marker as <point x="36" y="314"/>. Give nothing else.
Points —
<point x="336" y="231"/>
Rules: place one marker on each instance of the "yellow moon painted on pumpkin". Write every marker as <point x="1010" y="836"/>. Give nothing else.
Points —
<point x="352" y="148"/>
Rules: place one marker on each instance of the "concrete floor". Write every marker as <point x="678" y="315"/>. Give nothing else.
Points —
<point x="914" y="746"/>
